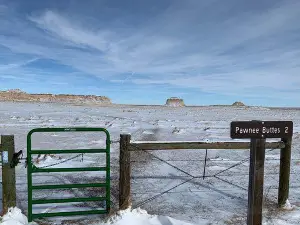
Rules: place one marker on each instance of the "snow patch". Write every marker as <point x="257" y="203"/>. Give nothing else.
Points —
<point x="272" y="157"/>
<point x="260" y="108"/>
<point x="221" y="168"/>
<point x="14" y="216"/>
<point x="98" y="142"/>
<point x="287" y="206"/>
<point x="141" y="217"/>
<point x="148" y="132"/>
<point x="14" y="117"/>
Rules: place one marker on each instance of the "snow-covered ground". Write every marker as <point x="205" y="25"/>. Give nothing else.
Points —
<point x="220" y="199"/>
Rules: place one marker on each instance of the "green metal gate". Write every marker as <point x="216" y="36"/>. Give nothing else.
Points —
<point x="33" y="169"/>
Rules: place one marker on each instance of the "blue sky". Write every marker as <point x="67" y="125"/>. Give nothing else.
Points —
<point x="142" y="51"/>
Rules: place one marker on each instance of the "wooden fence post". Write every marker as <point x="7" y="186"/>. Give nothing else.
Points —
<point x="125" y="170"/>
<point x="256" y="182"/>
<point x="284" y="173"/>
<point x="8" y="173"/>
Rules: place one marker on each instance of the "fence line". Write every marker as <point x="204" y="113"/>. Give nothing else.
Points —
<point x="154" y="145"/>
<point x="191" y="176"/>
<point x="126" y="147"/>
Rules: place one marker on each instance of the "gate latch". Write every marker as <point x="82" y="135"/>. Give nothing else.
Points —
<point x="16" y="159"/>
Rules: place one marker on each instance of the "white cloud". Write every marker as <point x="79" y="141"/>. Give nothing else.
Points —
<point x="10" y="66"/>
<point x="192" y="44"/>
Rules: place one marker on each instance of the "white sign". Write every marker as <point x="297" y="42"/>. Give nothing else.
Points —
<point x="5" y="157"/>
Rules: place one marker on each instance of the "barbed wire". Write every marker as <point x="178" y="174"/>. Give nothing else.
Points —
<point x="162" y="193"/>
<point x="156" y="157"/>
<point x="237" y="164"/>
<point x="191" y="176"/>
<point x="202" y="160"/>
<point x="196" y="177"/>
<point x="207" y="190"/>
<point x="271" y="187"/>
<point x="228" y="182"/>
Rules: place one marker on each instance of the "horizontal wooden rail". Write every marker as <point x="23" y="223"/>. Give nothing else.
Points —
<point x="154" y="145"/>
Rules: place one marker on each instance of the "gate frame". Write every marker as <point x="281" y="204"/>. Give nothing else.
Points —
<point x="31" y="169"/>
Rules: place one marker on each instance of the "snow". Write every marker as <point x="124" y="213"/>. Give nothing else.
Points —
<point x="14" y="216"/>
<point x="141" y="217"/>
<point x="137" y="216"/>
<point x="219" y="200"/>
<point x="287" y="206"/>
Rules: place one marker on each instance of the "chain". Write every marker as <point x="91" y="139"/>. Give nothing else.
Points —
<point x="54" y="164"/>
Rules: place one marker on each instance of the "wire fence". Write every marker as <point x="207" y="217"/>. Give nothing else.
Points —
<point x="188" y="177"/>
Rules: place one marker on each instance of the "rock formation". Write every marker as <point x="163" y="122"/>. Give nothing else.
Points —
<point x="175" y="102"/>
<point x="238" y="104"/>
<point x="17" y="95"/>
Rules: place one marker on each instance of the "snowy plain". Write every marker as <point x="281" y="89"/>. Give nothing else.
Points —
<point x="216" y="199"/>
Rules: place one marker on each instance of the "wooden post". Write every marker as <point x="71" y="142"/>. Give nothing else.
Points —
<point x="256" y="182"/>
<point x="8" y="173"/>
<point x="125" y="170"/>
<point x="284" y="174"/>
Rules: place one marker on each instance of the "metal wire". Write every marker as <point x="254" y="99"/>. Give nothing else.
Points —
<point x="189" y="176"/>
<point x="160" y="194"/>
<point x="156" y="157"/>
<point x="54" y="164"/>
<point x="228" y="182"/>
<point x="237" y="164"/>
<point x="202" y="160"/>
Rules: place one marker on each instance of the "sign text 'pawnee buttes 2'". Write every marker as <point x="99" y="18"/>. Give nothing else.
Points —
<point x="261" y="129"/>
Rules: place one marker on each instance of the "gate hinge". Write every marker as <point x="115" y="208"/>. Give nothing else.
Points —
<point x="16" y="159"/>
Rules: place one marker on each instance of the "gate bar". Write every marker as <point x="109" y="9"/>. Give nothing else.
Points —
<point x="63" y="186"/>
<point x="32" y="169"/>
<point x="46" y="201"/>
<point x="78" y="169"/>
<point x="68" y="151"/>
<point x="73" y="213"/>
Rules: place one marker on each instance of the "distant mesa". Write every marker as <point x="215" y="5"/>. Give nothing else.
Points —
<point x="175" y="102"/>
<point x="238" y="104"/>
<point x="15" y="91"/>
<point x="17" y="95"/>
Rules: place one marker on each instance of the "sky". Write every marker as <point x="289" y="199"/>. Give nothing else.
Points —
<point x="145" y="51"/>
